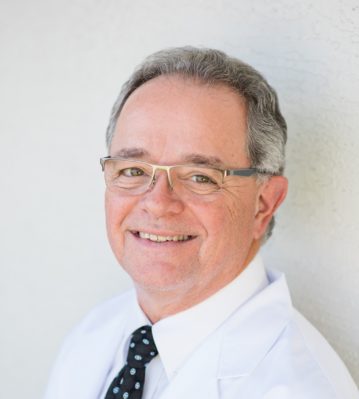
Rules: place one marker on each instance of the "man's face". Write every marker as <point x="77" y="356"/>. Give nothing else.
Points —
<point x="170" y="121"/>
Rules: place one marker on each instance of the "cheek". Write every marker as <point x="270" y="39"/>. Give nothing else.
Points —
<point x="218" y="219"/>
<point x="112" y="210"/>
<point x="116" y="211"/>
<point x="235" y="217"/>
<point x="115" y="204"/>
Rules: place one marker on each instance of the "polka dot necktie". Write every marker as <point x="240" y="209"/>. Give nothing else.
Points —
<point x="128" y="384"/>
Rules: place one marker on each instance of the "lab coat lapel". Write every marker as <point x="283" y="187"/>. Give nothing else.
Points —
<point x="198" y="377"/>
<point x="232" y="353"/>
<point x="253" y="330"/>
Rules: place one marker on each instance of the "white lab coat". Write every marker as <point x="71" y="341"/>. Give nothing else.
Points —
<point x="265" y="350"/>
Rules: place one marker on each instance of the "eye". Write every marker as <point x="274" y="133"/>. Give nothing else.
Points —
<point x="202" y="179"/>
<point x="131" y="172"/>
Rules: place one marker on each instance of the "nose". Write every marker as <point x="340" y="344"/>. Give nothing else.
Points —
<point x="160" y="199"/>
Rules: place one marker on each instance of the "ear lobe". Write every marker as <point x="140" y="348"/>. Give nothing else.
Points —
<point x="271" y="194"/>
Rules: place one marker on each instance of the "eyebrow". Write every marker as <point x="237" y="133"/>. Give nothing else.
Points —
<point x="205" y="160"/>
<point x="194" y="158"/>
<point x="131" y="153"/>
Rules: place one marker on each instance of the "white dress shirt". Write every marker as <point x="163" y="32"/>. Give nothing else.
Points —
<point x="177" y="336"/>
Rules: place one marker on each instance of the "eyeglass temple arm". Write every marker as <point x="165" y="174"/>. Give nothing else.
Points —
<point x="240" y="172"/>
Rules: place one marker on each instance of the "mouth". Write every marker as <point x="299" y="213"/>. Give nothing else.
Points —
<point x="163" y="238"/>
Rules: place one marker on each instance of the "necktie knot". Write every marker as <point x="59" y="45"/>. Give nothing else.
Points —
<point x="142" y="347"/>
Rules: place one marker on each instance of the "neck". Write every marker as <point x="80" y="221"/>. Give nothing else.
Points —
<point x="158" y="304"/>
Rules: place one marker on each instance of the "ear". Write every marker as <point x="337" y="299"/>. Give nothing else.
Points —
<point x="271" y="194"/>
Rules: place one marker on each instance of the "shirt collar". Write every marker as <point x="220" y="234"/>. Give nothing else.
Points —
<point x="177" y="336"/>
<point x="135" y="319"/>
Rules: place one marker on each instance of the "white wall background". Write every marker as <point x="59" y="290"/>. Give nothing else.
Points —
<point x="61" y="66"/>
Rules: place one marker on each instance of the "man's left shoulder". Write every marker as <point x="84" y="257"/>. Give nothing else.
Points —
<point x="301" y="363"/>
<point x="276" y="353"/>
<point x="309" y="362"/>
<point x="314" y="360"/>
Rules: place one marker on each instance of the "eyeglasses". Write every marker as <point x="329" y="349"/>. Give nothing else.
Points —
<point x="136" y="177"/>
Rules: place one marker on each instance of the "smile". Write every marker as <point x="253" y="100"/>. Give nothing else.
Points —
<point x="159" y="238"/>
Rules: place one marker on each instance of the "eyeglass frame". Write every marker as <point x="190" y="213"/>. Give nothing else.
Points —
<point x="244" y="172"/>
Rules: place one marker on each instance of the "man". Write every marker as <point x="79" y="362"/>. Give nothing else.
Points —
<point x="194" y="176"/>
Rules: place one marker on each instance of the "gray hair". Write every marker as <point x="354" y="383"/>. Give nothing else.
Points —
<point x="266" y="127"/>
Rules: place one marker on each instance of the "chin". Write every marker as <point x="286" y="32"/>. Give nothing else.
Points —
<point x="163" y="279"/>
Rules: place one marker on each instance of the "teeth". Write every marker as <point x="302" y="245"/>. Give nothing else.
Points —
<point x="156" y="238"/>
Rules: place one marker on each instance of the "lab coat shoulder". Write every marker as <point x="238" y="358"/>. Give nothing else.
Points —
<point x="321" y="359"/>
<point x="99" y="321"/>
<point x="88" y="350"/>
<point x="270" y="351"/>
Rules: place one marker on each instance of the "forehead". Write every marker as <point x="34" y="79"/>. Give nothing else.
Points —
<point x="170" y="117"/>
